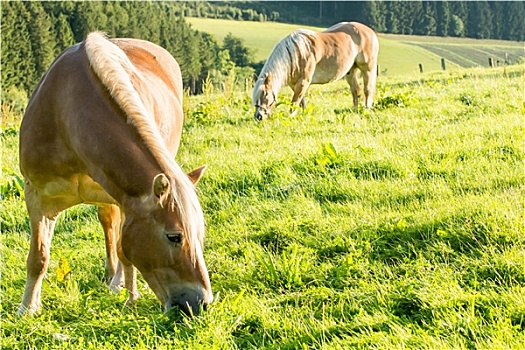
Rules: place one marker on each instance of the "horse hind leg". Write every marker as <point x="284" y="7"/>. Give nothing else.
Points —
<point x="118" y="274"/>
<point x="369" y="82"/>
<point x="109" y="217"/>
<point x="351" y="79"/>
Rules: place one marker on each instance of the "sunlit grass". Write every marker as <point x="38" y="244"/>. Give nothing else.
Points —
<point x="392" y="228"/>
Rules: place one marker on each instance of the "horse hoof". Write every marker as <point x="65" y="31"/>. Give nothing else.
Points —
<point x="28" y="310"/>
<point x="116" y="288"/>
<point x="132" y="299"/>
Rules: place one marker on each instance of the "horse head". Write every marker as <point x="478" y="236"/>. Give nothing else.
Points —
<point x="162" y="237"/>
<point x="266" y="100"/>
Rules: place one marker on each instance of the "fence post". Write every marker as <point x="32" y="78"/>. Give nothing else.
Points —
<point x="443" y="64"/>
<point x="491" y="62"/>
<point x="377" y="72"/>
<point x="420" y="68"/>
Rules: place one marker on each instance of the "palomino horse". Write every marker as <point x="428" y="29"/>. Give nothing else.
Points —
<point x="306" y="57"/>
<point x="102" y="127"/>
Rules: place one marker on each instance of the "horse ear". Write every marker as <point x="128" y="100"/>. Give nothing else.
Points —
<point x="195" y="175"/>
<point x="161" y="188"/>
<point x="268" y="79"/>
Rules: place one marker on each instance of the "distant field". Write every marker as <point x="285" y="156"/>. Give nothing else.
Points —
<point x="399" y="54"/>
<point x="260" y="36"/>
<point x="466" y="52"/>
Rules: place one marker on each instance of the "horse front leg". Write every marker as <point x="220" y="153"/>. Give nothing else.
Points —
<point x="42" y="227"/>
<point x="299" y="92"/>
<point x="109" y="217"/>
<point x="130" y="277"/>
<point x="126" y="268"/>
<point x="42" y="217"/>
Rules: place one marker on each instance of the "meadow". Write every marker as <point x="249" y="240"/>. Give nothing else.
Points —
<point x="399" y="55"/>
<point x="399" y="227"/>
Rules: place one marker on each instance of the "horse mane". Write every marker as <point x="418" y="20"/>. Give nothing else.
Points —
<point x="284" y="61"/>
<point x="116" y="72"/>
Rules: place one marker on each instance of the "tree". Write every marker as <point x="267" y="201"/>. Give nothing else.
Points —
<point x="405" y="18"/>
<point x="64" y="34"/>
<point x="479" y="20"/>
<point x="117" y="19"/>
<point x="150" y="17"/>
<point x="427" y="22"/>
<point x="515" y="21"/>
<point x="224" y="63"/>
<point x="239" y="53"/>
<point x="443" y="18"/>
<point x="392" y="21"/>
<point x="184" y="44"/>
<point x="208" y="51"/>
<point x="371" y="14"/>
<point x="42" y="40"/>
<point x="18" y="64"/>
<point x="417" y="14"/>
<point x="460" y="11"/>
<point x="87" y="17"/>
<point x="457" y="28"/>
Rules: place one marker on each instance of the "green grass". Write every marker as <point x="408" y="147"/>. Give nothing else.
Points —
<point x="399" y="55"/>
<point x="393" y="228"/>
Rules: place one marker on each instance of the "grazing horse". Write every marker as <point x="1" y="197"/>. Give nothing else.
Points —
<point x="306" y="57"/>
<point x="102" y="127"/>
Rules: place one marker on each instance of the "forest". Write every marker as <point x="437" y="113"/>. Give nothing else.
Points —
<point x="34" y="33"/>
<point x="397" y="227"/>
<point x="473" y="19"/>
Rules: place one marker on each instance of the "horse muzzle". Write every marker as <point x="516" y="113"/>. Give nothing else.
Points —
<point x="260" y="114"/>
<point x="191" y="302"/>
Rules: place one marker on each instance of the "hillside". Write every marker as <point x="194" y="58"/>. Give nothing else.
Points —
<point x="399" y="54"/>
<point x="399" y="227"/>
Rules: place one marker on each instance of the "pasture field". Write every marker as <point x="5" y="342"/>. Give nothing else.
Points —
<point x="400" y="227"/>
<point x="398" y="55"/>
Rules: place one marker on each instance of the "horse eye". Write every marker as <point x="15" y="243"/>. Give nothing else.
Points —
<point x="175" y="237"/>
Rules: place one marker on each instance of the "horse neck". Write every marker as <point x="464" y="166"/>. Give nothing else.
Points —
<point x="279" y="66"/>
<point x="121" y="77"/>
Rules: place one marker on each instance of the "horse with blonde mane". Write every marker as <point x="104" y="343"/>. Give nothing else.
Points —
<point x="306" y="57"/>
<point x="102" y="127"/>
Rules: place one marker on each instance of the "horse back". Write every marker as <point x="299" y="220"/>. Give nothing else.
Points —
<point x="362" y="37"/>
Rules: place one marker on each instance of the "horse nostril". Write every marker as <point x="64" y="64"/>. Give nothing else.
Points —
<point x="190" y="305"/>
<point x="186" y="309"/>
<point x="191" y="309"/>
